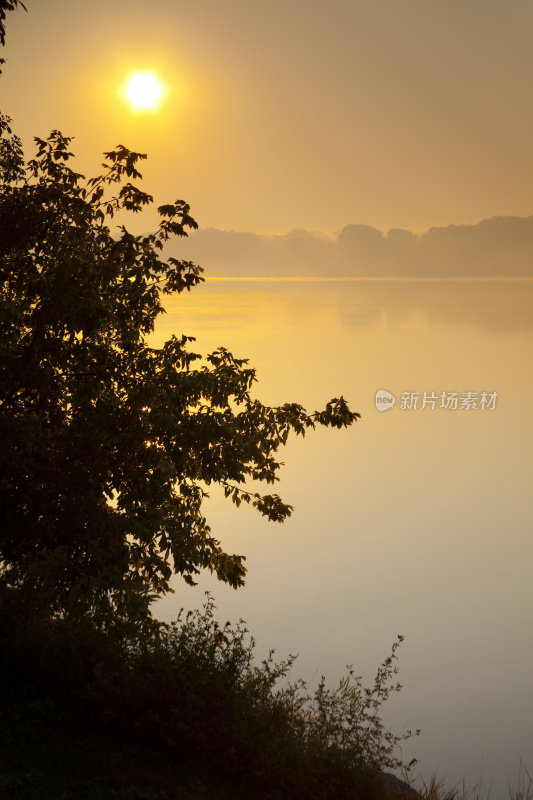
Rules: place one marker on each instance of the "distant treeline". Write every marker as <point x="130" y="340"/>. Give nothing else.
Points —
<point x="501" y="246"/>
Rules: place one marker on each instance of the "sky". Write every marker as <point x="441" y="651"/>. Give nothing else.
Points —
<point x="293" y="115"/>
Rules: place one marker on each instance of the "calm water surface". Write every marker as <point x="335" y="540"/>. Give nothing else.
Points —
<point x="413" y="521"/>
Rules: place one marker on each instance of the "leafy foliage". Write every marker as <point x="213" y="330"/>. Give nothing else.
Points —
<point x="109" y="444"/>
<point x="188" y="712"/>
<point x="338" y="730"/>
<point x="5" y="6"/>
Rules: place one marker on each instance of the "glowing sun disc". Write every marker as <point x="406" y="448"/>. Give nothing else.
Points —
<point x="144" y="91"/>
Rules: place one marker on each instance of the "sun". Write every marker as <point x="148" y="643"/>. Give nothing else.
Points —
<point x="144" y="91"/>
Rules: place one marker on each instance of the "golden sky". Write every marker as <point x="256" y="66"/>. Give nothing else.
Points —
<point x="295" y="114"/>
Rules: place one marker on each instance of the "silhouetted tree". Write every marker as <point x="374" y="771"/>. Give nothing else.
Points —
<point x="5" y="6"/>
<point x="108" y="444"/>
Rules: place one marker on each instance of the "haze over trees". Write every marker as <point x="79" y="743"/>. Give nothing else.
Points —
<point x="497" y="247"/>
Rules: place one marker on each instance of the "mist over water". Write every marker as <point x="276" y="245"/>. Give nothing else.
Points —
<point x="413" y="521"/>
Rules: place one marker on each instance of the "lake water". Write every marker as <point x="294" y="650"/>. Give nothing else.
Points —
<point x="412" y="521"/>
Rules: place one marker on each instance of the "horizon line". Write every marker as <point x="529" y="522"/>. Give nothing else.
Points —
<point x="353" y="278"/>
